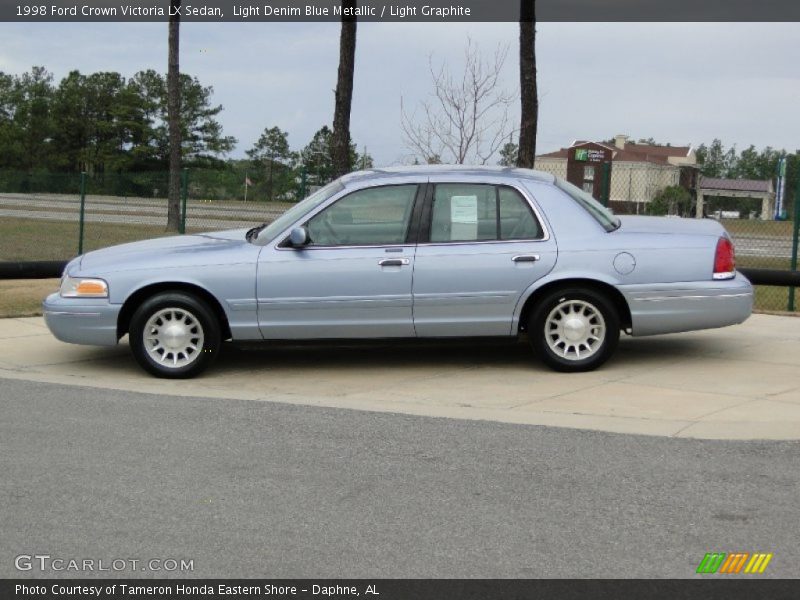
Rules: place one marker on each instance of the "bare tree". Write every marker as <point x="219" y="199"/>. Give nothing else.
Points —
<point x="529" y="94"/>
<point x="466" y="120"/>
<point x="340" y="143"/>
<point x="174" y="119"/>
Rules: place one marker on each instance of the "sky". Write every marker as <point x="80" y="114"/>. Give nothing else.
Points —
<point x="682" y="83"/>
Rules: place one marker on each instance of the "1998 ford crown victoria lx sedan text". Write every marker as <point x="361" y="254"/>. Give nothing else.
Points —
<point x="418" y="252"/>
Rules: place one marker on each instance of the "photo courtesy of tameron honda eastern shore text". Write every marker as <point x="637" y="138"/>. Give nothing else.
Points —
<point x="413" y="252"/>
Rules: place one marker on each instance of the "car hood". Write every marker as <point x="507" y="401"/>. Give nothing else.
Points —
<point x="164" y="252"/>
<point x="670" y="226"/>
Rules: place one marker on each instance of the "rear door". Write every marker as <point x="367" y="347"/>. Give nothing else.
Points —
<point x="481" y="246"/>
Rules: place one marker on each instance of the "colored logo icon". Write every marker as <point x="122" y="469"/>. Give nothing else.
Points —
<point x="734" y="563"/>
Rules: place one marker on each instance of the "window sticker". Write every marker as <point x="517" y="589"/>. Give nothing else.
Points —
<point x="464" y="209"/>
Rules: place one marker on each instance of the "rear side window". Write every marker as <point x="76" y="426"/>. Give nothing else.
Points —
<point x="481" y="212"/>
<point x="517" y="221"/>
<point x="600" y="213"/>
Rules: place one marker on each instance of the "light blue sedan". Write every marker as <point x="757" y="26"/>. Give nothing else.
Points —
<point x="417" y="252"/>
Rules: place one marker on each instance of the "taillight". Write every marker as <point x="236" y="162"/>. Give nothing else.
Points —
<point x="724" y="260"/>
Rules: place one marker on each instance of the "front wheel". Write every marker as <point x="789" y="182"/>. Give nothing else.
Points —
<point x="174" y="335"/>
<point x="574" y="329"/>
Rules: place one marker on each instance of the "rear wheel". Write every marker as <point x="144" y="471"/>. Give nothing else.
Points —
<point x="174" y="335"/>
<point x="575" y="329"/>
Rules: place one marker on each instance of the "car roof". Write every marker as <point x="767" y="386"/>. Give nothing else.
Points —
<point x="455" y="170"/>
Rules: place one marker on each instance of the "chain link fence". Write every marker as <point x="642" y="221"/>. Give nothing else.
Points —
<point x="58" y="216"/>
<point x="47" y="216"/>
<point x="766" y="245"/>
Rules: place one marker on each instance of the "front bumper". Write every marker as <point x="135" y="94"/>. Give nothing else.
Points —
<point x="688" y="306"/>
<point x="82" y="321"/>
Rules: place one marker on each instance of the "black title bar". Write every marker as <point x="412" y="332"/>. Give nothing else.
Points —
<point x="402" y="11"/>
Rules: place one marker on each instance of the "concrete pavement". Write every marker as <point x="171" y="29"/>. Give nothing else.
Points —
<point x="740" y="382"/>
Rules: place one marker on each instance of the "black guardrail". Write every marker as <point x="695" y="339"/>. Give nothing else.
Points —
<point x="44" y="269"/>
<point x="36" y="269"/>
<point x="772" y="277"/>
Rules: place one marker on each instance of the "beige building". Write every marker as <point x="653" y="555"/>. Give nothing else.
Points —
<point x="638" y="171"/>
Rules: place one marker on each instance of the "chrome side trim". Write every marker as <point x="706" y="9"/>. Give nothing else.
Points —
<point x="694" y="297"/>
<point x="456" y="295"/>
<point x="267" y="302"/>
<point x="305" y="248"/>
<point x="482" y="242"/>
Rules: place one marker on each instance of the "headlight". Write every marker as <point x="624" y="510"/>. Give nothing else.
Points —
<point x="83" y="287"/>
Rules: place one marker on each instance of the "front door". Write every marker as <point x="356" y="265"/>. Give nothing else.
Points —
<point x="352" y="280"/>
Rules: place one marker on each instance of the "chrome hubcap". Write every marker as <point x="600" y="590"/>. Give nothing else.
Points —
<point x="575" y="329"/>
<point x="173" y="337"/>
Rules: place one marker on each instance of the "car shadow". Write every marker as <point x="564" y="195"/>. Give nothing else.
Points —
<point x="372" y="354"/>
<point x="394" y="354"/>
<point x="306" y="357"/>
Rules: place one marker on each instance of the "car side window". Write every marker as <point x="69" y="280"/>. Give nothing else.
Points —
<point x="517" y="221"/>
<point x="371" y="217"/>
<point x="464" y="213"/>
<point x="480" y="212"/>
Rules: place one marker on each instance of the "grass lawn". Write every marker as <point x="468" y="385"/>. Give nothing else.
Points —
<point x="775" y="299"/>
<point x="754" y="227"/>
<point x="23" y="298"/>
<point x="36" y="239"/>
<point x="762" y="262"/>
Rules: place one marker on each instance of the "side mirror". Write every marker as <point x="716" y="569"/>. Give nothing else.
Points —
<point x="299" y="237"/>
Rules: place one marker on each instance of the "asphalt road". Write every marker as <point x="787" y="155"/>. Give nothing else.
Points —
<point x="138" y="211"/>
<point x="257" y="489"/>
<point x="123" y="204"/>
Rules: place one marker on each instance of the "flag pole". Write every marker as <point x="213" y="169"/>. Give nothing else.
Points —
<point x="245" y="186"/>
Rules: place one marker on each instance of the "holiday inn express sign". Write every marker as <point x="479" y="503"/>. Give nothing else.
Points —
<point x="589" y="155"/>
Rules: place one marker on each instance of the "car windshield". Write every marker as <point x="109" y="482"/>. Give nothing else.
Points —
<point x="601" y="214"/>
<point x="267" y="233"/>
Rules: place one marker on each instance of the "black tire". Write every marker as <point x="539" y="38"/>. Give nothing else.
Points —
<point x="194" y="349"/>
<point x="594" y="316"/>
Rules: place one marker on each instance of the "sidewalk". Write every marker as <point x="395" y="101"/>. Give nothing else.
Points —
<point x="740" y="382"/>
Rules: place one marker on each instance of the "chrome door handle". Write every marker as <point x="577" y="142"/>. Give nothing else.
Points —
<point x="526" y="258"/>
<point x="394" y="262"/>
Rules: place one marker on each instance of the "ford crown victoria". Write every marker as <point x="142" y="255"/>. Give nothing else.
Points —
<point x="415" y="252"/>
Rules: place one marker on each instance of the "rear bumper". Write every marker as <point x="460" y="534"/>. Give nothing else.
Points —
<point x="688" y="306"/>
<point x="90" y="322"/>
